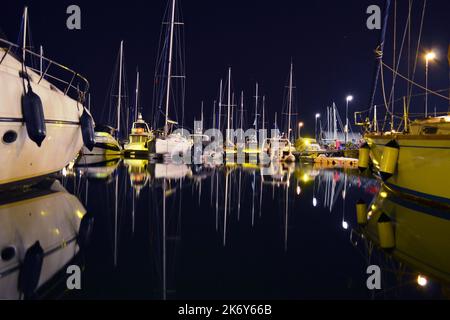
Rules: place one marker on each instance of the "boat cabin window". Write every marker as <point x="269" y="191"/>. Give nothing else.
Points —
<point x="138" y="139"/>
<point x="429" y="130"/>
<point x="140" y="127"/>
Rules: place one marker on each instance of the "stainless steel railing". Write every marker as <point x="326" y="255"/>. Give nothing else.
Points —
<point x="77" y="87"/>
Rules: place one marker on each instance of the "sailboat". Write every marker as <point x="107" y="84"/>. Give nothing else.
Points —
<point x="140" y="136"/>
<point x="229" y="148"/>
<point x="252" y="149"/>
<point x="43" y="123"/>
<point x="106" y="145"/>
<point x="280" y="148"/>
<point x="213" y="153"/>
<point x="412" y="158"/>
<point x="170" y="143"/>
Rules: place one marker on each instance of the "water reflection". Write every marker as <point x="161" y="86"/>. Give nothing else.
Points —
<point x="166" y="231"/>
<point x="41" y="231"/>
<point x="417" y="254"/>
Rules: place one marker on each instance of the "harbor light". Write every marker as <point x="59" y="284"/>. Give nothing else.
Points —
<point x="349" y="98"/>
<point x="429" y="56"/>
<point x="317" y="115"/>
<point x="300" y="126"/>
<point x="299" y="190"/>
<point x="422" y="281"/>
<point x="314" y="202"/>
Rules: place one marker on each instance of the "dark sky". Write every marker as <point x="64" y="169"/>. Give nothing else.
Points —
<point x="328" y="41"/>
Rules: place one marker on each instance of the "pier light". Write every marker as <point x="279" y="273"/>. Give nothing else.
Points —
<point x="300" y="126"/>
<point x="299" y="190"/>
<point x="315" y="126"/>
<point x="422" y="281"/>
<point x="430" y="56"/>
<point x="348" y="100"/>
<point x="314" y="202"/>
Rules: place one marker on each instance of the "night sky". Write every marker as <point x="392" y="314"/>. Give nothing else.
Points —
<point x="329" y="43"/>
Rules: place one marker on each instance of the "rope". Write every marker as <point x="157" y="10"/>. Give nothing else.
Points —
<point x="417" y="52"/>
<point x="416" y="84"/>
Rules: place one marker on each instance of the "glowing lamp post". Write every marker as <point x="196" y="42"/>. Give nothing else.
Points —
<point x="430" y="56"/>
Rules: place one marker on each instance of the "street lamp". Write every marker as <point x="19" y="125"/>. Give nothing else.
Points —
<point x="315" y="126"/>
<point x="348" y="99"/>
<point x="300" y="126"/>
<point x="430" y="56"/>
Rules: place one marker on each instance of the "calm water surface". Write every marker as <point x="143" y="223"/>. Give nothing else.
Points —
<point x="166" y="231"/>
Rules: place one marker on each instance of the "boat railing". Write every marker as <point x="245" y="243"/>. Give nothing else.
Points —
<point x="70" y="82"/>
<point x="397" y="123"/>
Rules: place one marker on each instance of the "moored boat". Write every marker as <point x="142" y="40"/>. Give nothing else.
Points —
<point x="138" y="140"/>
<point x="41" y="121"/>
<point x="423" y="166"/>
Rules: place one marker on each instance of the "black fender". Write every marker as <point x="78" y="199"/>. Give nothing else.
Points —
<point x="33" y="116"/>
<point x="30" y="270"/>
<point x="87" y="129"/>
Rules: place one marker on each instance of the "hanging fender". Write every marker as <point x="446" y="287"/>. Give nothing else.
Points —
<point x="30" y="271"/>
<point x="87" y="129"/>
<point x="389" y="159"/>
<point x="364" y="156"/>
<point x="85" y="231"/>
<point x="33" y="116"/>
<point x="386" y="232"/>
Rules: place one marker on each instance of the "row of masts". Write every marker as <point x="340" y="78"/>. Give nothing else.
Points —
<point x="230" y="103"/>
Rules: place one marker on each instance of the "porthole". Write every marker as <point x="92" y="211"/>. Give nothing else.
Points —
<point x="9" y="136"/>
<point x="8" y="253"/>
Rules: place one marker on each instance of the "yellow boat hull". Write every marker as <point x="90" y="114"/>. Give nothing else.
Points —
<point x="423" y="167"/>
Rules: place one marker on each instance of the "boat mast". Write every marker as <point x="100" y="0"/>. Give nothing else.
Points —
<point x="220" y="104"/>
<point x="214" y="115"/>
<point x="334" y="122"/>
<point x="290" y="104"/>
<point x="119" y="96"/>
<point x="263" y="111"/>
<point x="41" y="54"/>
<point x="137" y="96"/>
<point x="229" y="105"/>
<point x="242" y="109"/>
<point x="169" y="69"/>
<point x="375" y="120"/>
<point x="25" y="27"/>
<point x="256" y="108"/>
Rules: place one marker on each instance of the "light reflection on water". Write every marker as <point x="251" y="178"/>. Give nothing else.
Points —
<point x="166" y="231"/>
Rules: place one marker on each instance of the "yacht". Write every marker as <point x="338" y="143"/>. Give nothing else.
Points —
<point x="43" y="123"/>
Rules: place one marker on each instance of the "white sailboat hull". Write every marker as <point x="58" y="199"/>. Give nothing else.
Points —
<point x="173" y="145"/>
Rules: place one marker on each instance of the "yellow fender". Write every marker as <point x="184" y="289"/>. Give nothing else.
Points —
<point x="361" y="212"/>
<point x="386" y="232"/>
<point x="389" y="159"/>
<point x="364" y="156"/>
